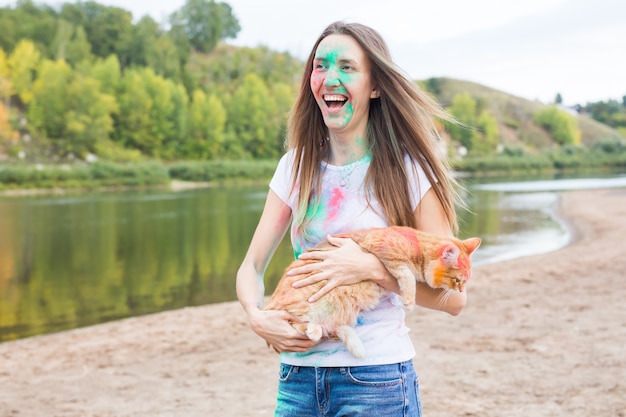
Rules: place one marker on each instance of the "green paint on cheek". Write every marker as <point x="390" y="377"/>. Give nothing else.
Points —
<point x="348" y="113"/>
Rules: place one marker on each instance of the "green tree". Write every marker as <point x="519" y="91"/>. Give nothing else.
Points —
<point x="207" y="121"/>
<point x="463" y="108"/>
<point x="609" y="112"/>
<point x="134" y="122"/>
<point x="23" y="62"/>
<point x="490" y="134"/>
<point x="178" y="119"/>
<point x="108" y="29"/>
<point x="478" y="130"/>
<point x="6" y="89"/>
<point x="152" y="114"/>
<point x="223" y="69"/>
<point x="69" y="109"/>
<point x="89" y="116"/>
<point x="558" y="99"/>
<point x="205" y="23"/>
<point x="8" y="34"/>
<point x="167" y="60"/>
<point x="36" y="23"/>
<point x="152" y="47"/>
<point x="49" y="99"/>
<point x="108" y="72"/>
<point x="143" y="44"/>
<point x="71" y="43"/>
<point x="562" y="127"/>
<point x="251" y="120"/>
<point x="162" y="125"/>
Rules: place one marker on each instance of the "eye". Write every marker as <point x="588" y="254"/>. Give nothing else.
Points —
<point x="319" y="66"/>
<point x="347" y="68"/>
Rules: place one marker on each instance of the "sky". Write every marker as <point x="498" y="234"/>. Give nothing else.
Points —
<point x="532" y="49"/>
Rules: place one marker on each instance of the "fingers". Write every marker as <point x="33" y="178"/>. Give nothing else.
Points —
<point x="287" y="316"/>
<point x="336" y="241"/>
<point x="293" y="346"/>
<point x="305" y="269"/>
<point x="322" y="292"/>
<point x="313" y="255"/>
<point x="311" y="279"/>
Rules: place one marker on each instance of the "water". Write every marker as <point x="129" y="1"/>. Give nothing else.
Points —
<point x="76" y="260"/>
<point x="528" y="222"/>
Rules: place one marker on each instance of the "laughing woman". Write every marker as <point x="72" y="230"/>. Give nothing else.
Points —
<point x="363" y="152"/>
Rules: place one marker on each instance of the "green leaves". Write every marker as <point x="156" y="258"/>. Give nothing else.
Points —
<point x="478" y="130"/>
<point x="69" y="108"/>
<point x="206" y="23"/>
<point x="562" y="127"/>
<point x="22" y="64"/>
<point x="251" y="120"/>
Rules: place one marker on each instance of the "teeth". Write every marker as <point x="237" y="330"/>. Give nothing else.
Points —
<point x="334" y="97"/>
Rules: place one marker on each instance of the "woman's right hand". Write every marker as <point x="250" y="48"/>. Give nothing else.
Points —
<point x="274" y="326"/>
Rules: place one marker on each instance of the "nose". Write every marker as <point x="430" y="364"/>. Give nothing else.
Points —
<point x="331" y="80"/>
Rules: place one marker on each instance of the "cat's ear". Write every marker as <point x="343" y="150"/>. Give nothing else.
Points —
<point x="471" y="244"/>
<point x="450" y="255"/>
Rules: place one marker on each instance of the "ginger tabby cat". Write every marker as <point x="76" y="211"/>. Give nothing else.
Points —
<point x="408" y="254"/>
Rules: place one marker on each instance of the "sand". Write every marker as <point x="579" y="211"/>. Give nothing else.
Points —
<point x="541" y="336"/>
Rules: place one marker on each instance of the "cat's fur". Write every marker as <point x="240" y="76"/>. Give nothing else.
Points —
<point x="408" y="254"/>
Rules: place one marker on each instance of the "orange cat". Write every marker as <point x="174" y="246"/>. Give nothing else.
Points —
<point x="408" y="254"/>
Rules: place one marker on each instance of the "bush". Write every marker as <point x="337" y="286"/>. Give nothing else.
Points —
<point x="88" y="176"/>
<point x="562" y="127"/>
<point x="221" y="170"/>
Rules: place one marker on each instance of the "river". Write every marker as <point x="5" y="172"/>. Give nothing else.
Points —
<point x="75" y="260"/>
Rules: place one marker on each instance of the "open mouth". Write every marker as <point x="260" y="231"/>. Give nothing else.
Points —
<point x="335" y="101"/>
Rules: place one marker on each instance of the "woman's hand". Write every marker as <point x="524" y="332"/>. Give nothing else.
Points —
<point x="274" y="326"/>
<point x="347" y="264"/>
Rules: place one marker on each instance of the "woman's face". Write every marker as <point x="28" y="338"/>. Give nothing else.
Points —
<point x="342" y="85"/>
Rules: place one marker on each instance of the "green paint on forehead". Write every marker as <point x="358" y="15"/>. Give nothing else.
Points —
<point x="329" y="52"/>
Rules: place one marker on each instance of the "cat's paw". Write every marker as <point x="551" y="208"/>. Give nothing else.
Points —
<point x="407" y="305"/>
<point x="314" y="331"/>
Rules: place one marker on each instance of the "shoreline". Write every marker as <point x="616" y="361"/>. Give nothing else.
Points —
<point x="541" y="335"/>
<point x="173" y="185"/>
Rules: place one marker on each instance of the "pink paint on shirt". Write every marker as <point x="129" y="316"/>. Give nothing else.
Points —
<point x="334" y="205"/>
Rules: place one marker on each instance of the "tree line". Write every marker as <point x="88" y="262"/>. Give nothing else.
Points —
<point x="84" y="79"/>
<point x="610" y="112"/>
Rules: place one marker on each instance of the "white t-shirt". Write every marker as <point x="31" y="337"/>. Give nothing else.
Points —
<point x="343" y="207"/>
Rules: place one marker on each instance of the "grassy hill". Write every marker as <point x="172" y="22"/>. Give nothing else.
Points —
<point x="515" y="115"/>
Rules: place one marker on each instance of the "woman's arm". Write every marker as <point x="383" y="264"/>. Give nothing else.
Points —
<point x="346" y="265"/>
<point x="431" y="218"/>
<point x="273" y="326"/>
<point x="349" y="264"/>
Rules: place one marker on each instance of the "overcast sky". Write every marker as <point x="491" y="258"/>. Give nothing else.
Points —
<point x="531" y="48"/>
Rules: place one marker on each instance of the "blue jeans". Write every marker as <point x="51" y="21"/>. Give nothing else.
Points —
<point x="381" y="390"/>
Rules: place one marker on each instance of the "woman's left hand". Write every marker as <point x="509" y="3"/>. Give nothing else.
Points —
<point x="347" y="264"/>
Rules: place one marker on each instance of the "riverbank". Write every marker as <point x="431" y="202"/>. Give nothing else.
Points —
<point x="541" y="336"/>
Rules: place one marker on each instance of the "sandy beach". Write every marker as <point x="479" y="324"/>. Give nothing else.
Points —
<point x="541" y="336"/>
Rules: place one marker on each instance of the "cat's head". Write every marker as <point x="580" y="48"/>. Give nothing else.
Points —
<point x="452" y="266"/>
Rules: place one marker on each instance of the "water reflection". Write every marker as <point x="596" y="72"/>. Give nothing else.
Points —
<point x="526" y="225"/>
<point x="555" y="185"/>
<point x="72" y="261"/>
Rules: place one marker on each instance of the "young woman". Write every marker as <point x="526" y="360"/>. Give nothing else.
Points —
<point x="364" y="152"/>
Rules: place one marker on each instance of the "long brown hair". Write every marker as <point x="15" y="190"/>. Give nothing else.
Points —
<point x="401" y="121"/>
